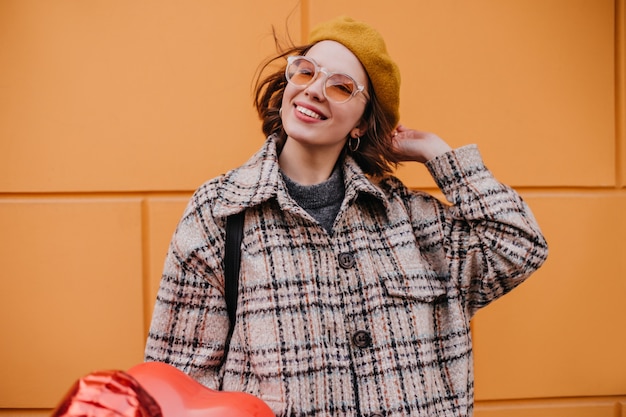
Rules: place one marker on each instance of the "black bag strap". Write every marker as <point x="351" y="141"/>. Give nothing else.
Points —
<point x="232" y="259"/>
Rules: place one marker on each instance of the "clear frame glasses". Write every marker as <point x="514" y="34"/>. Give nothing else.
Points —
<point x="338" y="88"/>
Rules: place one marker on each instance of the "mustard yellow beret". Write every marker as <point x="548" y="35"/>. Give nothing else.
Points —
<point x="369" y="47"/>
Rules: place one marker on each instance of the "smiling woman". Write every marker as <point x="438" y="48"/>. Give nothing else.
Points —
<point x="355" y="292"/>
<point x="318" y="126"/>
<point x="113" y="112"/>
<point x="382" y="79"/>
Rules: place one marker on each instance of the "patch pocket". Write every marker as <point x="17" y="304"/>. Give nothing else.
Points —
<point x="424" y="286"/>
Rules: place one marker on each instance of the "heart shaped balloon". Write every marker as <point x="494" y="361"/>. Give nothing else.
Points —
<point x="154" y="389"/>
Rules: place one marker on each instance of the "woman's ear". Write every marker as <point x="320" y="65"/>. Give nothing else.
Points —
<point x="359" y="130"/>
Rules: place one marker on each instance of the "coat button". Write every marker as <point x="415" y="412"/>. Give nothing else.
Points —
<point x="346" y="260"/>
<point x="362" y="339"/>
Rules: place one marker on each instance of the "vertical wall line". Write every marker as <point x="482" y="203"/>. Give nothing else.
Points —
<point x="145" y="265"/>
<point x="620" y="93"/>
<point x="305" y="20"/>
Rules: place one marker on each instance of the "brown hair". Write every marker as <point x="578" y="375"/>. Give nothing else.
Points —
<point x="374" y="154"/>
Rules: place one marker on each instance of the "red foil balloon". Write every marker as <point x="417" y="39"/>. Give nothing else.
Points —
<point x="154" y="389"/>
<point x="107" y="394"/>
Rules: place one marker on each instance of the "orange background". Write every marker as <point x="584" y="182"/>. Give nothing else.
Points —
<point x="113" y="111"/>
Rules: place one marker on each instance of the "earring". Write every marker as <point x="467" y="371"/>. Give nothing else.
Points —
<point x="280" y="112"/>
<point x="352" y="146"/>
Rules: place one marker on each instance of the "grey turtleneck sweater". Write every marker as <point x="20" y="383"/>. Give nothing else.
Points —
<point x="322" y="201"/>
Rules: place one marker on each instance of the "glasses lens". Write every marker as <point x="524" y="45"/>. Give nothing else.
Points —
<point x="301" y="71"/>
<point x="340" y="87"/>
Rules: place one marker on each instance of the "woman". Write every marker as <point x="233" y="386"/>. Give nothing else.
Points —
<point x="355" y="293"/>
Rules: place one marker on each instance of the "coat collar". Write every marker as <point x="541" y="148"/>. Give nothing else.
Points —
<point x="259" y="180"/>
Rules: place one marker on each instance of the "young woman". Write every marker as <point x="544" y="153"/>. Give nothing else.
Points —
<point x="355" y="292"/>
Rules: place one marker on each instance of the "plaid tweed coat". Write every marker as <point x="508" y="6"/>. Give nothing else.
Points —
<point x="370" y="320"/>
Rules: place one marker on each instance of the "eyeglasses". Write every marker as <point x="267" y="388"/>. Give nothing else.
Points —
<point x="339" y="88"/>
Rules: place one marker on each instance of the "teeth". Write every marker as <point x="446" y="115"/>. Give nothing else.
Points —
<point x="308" y="112"/>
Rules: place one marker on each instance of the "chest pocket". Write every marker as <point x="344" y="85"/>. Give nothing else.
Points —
<point x="423" y="286"/>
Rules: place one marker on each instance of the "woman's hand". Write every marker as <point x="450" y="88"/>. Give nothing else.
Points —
<point x="418" y="146"/>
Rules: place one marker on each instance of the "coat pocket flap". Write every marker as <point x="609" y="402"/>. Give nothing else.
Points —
<point x="425" y="287"/>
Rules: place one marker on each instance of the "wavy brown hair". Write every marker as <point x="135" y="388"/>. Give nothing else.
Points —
<point x="374" y="154"/>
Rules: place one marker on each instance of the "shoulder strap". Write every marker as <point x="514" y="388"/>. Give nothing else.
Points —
<point x="232" y="258"/>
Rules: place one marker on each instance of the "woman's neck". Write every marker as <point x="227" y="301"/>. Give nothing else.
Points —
<point x="307" y="165"/>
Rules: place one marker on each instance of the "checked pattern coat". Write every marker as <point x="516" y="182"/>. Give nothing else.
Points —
<point x="372" y="319"/>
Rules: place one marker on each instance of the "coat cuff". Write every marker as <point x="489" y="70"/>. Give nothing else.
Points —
<point x="457" y="168"/>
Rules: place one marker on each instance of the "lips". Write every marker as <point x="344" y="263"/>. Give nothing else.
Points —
<point x="310" y="113"/>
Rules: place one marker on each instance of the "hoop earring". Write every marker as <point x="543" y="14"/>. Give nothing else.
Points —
<point x="352" y="146"/>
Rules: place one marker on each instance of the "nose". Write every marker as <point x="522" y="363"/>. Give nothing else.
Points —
<point x="316" y="88"/>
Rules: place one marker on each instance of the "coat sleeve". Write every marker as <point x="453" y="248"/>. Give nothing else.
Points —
<point x="189" y="323"/>
<point x="492" y="241"/>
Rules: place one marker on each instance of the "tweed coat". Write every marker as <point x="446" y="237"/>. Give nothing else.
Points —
<point x="372" y="319"/>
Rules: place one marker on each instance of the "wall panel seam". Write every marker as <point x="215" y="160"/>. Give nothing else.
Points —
<point x="305" y="20"/>
<point x="620" y="92"/>
<point x="550" y="401"/>
<point x="145" y="265"/>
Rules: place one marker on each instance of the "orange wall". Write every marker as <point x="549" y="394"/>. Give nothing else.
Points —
<point x="113" y="111"/>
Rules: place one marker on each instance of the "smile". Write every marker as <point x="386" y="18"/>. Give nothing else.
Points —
<point x="310" y="113"/>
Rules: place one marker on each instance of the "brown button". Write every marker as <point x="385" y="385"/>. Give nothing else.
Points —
<point x="346" y="260"/>
<point x="362" y="339"/>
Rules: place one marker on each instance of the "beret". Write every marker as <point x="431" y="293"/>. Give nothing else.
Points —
<point x="369" y="47"/>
